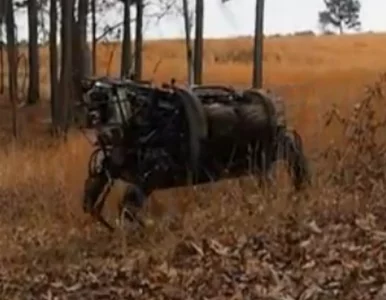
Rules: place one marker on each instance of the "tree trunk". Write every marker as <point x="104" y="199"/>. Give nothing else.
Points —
<point x="138" y="40"/>
<point x="257" y="76"/>
<point x="2" y="43"/>
<point x="188" y="42"/>
<point x="198" y="42"/>
<point x="53" y="47"/>
<point x="3" y="8"/>
<point x="66" y="82"/>
<point x="94" y="37"/>
<point x="126" y="55"/>
<point x="82" y="26"/>
<point x="33" y="53"/>
<point x="12" y="62"/>
<point x="79" y="45"/>
<point x="341" y="31"/>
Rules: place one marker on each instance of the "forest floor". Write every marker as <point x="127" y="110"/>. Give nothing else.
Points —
<point x="227" y="240"/>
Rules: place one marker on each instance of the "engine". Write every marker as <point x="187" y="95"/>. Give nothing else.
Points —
<point x="142" y="128"/>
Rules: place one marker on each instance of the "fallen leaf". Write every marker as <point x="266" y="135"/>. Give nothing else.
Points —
<point x="314" y="227"/>
<point x="73" y="288"/>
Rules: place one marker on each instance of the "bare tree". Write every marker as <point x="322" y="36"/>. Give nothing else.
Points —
<point x="66" y="80"/>
<point x="2" y="43"/>
<point x="257" y="76"/>
<point x="93" y="36"/>
<point x="82" y="34"/>
<point x="134" y="62"/>
<point x="138" y="40"/>
<point x="12" y="62"/>
<point x="198" y="42"/>
<point x="126" y="61"/>
<point x="188" y="40"/>
<point x="53" y="46"/>
<point x="33" y="53"/>
<point x="79" y="46"/>
<point x="96" y="7"/>
<point x="257" y="72"/>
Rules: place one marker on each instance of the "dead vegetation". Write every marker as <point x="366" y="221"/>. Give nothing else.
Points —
<point x="224" y="241"/>
<point x="360" y="166"/>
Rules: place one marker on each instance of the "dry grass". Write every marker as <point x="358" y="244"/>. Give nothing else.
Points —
<point x="43" y="229"/>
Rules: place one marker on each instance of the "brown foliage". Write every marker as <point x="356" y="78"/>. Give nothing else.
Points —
<point x="228" y="240"/>
<point x="359" y="165"/>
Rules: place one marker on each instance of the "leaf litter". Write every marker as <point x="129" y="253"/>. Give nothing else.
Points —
<point x="298" y="260"/>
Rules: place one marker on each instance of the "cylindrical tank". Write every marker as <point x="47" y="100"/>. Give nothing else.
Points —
<point x="222" y="120"/>
<point x="240" y="120"/>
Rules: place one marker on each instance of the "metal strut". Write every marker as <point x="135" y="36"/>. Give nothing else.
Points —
<point x="98" y="206"/>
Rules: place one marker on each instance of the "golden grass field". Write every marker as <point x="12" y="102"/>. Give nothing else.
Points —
<point x="327" y="243"/>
